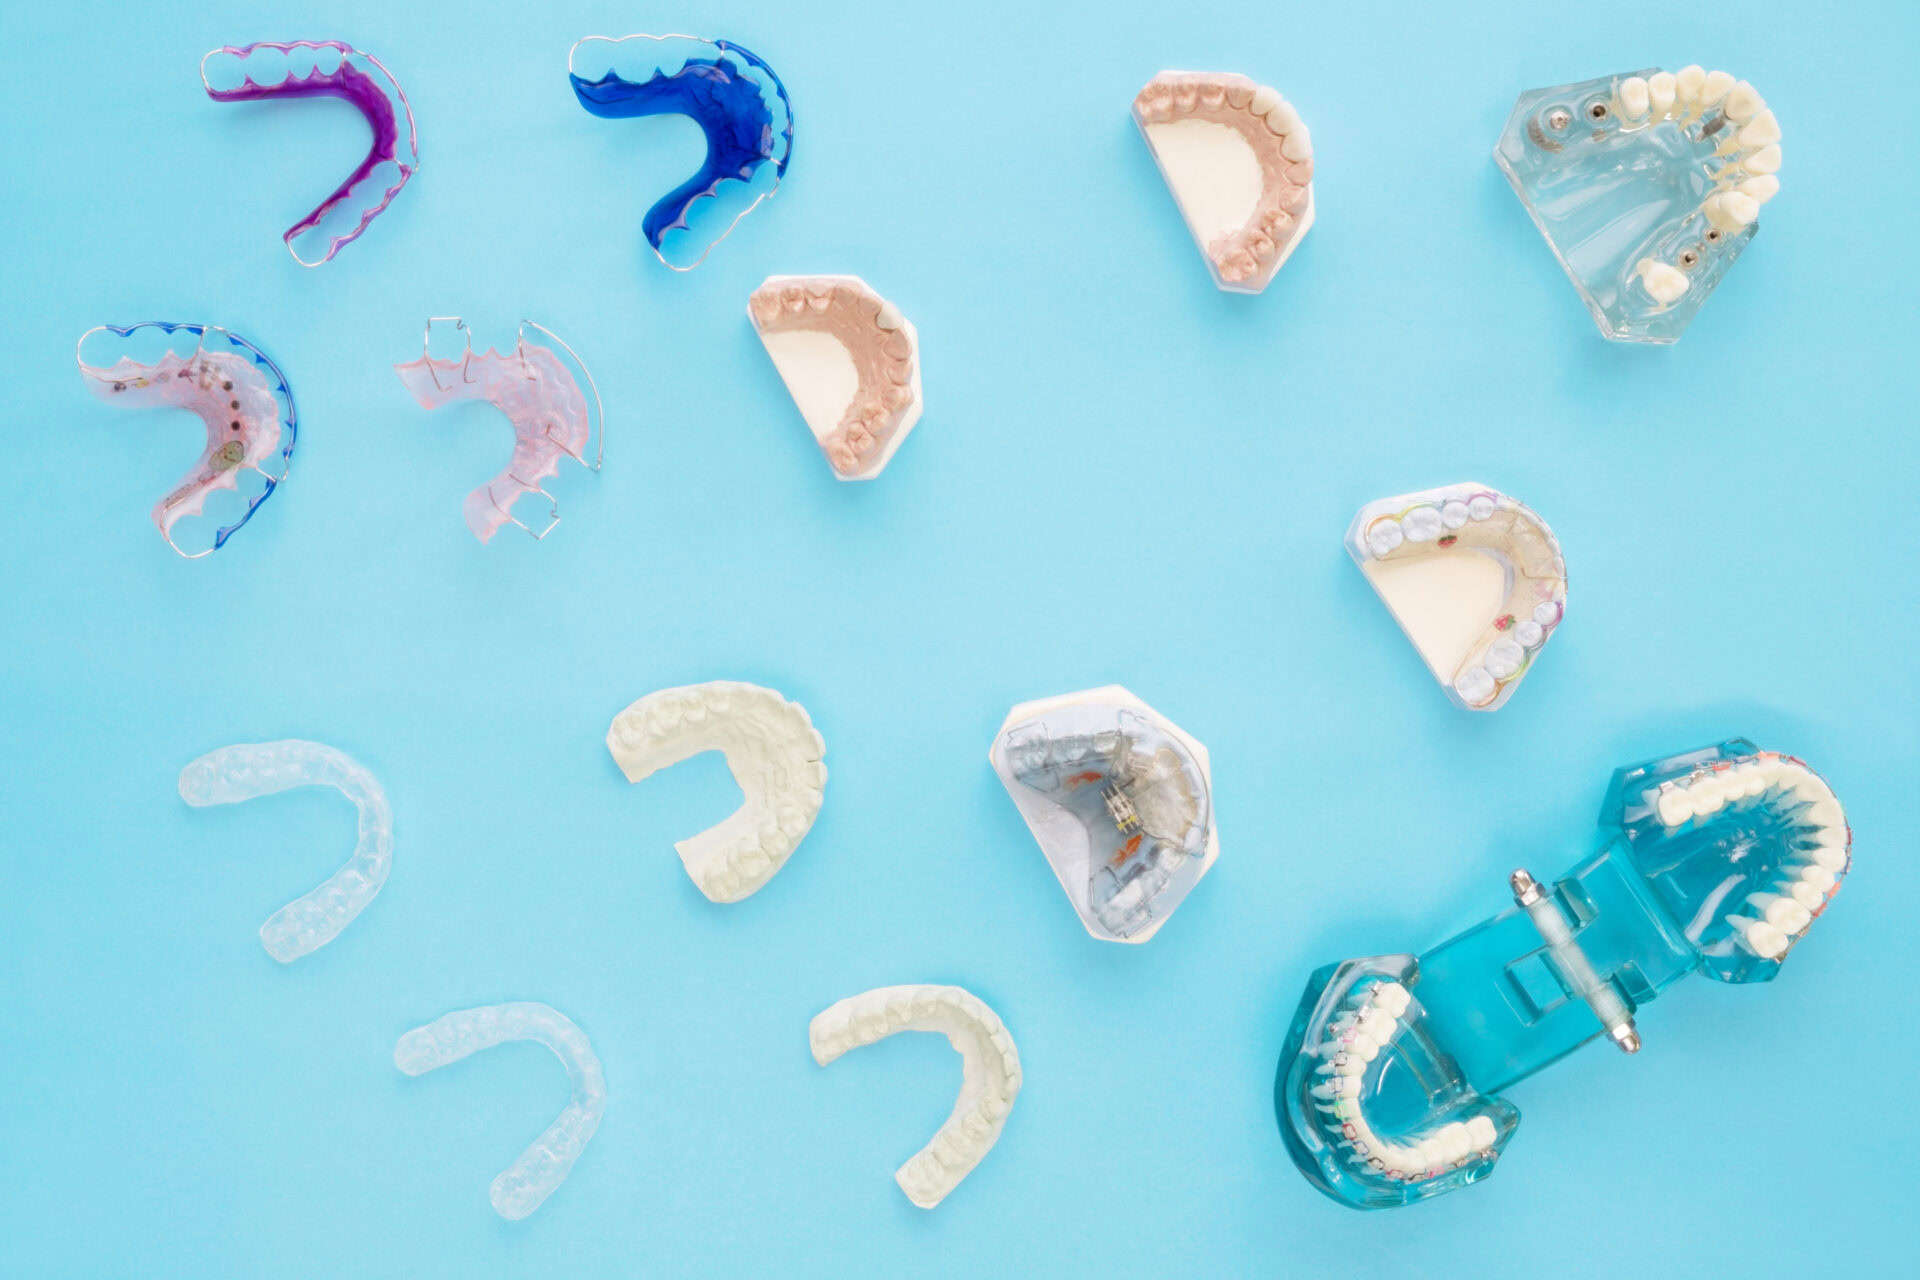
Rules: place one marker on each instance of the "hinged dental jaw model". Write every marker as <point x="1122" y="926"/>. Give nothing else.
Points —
<point x="552" y="418"/>
<point x="1120" y="800"/>
<point x="249" y="770"/>
<point x="1715" y="861"/>
<point x="736" y="100"/>
<point x="524" y="1185"/>
<point x="1473" y="577"/>
<point x="1240" y="165"/>
<point x="328" y="68"/>
<point x="989" y="1072"/>
<point x="236" y="390"/>
<point x="774" y="753"/>
<point x="1646" y="186"/>
<point x="851" y="362"/>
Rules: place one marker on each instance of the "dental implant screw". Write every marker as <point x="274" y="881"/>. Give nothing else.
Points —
<point x="1559" y="120"/>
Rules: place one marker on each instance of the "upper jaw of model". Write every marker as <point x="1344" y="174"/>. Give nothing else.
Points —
<point x="774" y="753"/>
<point x="989" y="1081"/>
<point x="1646" y="187"/>
<point x="552" y="417"/>
<point x="1240" y="165"/>
<point x="1473" y="577"/>
<point x="851" y="362"/>
<point x="1119" y="799"/>
<point x="237" y="391"/>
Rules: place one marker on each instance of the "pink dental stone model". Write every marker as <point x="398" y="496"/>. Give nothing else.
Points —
<point x="533" y="386"/>
<point x="851" y="362"/>
<point x="1240" y="165"/>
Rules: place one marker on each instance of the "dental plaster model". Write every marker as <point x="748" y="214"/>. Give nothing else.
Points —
<point x="772" y="750"/>
<point x="536" y="389"/>
<point x="1646" y="187"/>
<point x="851" y="362"/>
<point x="524" y="1185"/>
<point x="1473" y="577"/>
<point x="1715" y="861"/>
<point x="1240" y="165"/>
<point x="328" y="68"/>
<point x="249" y="770"/>
<point x="1119" y="799"/>
<point x="989" y="1072"/>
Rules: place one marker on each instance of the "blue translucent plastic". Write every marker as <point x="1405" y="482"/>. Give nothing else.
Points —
<point x="1493" y="1005"/>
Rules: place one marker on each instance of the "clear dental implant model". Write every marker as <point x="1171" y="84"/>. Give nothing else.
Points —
<point x="1715" y="861"/>
<point x="1646" y="187"/>
<point x="1120" y="800"/>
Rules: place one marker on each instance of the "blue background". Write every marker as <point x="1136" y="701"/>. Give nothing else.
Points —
<point x="1122" y="475"/>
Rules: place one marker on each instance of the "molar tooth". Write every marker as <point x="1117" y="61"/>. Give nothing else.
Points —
<point x="1730" y="210"/>
<point x="1665" y="282"/>
<point x="1818" y="878"/>
<point x="1759" y="937"/>
<point x="1782" y="913"/>
<point x="1760" y="189"/>
<point x="1633" y="98"/>
<point x="1674" y="807"/>
<point x="1476" y="685"/>
<point x="1481" y="1129"/>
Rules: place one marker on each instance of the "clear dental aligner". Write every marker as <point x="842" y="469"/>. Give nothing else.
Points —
<point x="238" y="392"/>
<point x="851" y="362"/>
<point x="1714" y="861"/>
<point x="736" y="100"/>
<point x="1119" y="799"/>
<point x="249" y="770"/>
<point x="328" y="68"/>
<point x="989" y="1072"/>
<point x="1473" y="577"/>
<point x="537" y="391"/>
<point x="774" y="753"/>
<point x="1646" y="187"/>
<point x="1240" y="165"/>
<point x="524" y="1185"/>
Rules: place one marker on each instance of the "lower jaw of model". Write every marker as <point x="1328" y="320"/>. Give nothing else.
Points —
<point x="1714" y="862"/>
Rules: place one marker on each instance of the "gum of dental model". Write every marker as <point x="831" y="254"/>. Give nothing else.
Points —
<point x="736" y="100"/>
<point x="236" y="390"/>
<point x="249" y="770"/>
<point x="1120" y="800"/>
<point x="551" y="416"/>
<point x="1474" y="578"/>
<point x="989" y="1072"/>
<point x="1646" y="187"/>
<point x="1240" y="165"/>
<point x="774" y="753"/>
<point x="524" y="1185"/>
<point x="851" y="362"/>
<point x="328" y="68"/>
<point x="1713" y="861"/>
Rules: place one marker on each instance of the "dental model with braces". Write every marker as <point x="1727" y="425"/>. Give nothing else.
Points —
<point x="537" y="391"/>
<point x="1239" y="162"/>
<point x="737" y="101"/>
<point x="989" y="1072"/>
<point x="1715" y="861"/>
<point x="1119" y="799"/>
<point x="774" y="753"/>
<point x="1646" y="187"/>
<point x="236" y="390"/>
<point x="851" y="362"/>
<point x="524" y="1185"/>
<point x="249" y="770"/>
<point x="328" y="68"/>
<point x="1474" y="578"/>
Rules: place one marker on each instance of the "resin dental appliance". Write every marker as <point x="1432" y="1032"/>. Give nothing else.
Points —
<point x="736" y="100"/>
<point x="1716" y="861"/>
<point x="328" y="68"/>
<point x="1119" y="799"/>
<point x="1474" y="578"/>
<point x="1240" y="165"/>
<point x="524" y="1185"/>
<point x="238" y="392"/>
<point x="249" y="770"/>
<point x="851" y="362"/>
<point x="1646" y="187"/>
<point x="989" y="1072"/>
<point x="536" y="389"/>
<point x="774" y="753"/>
